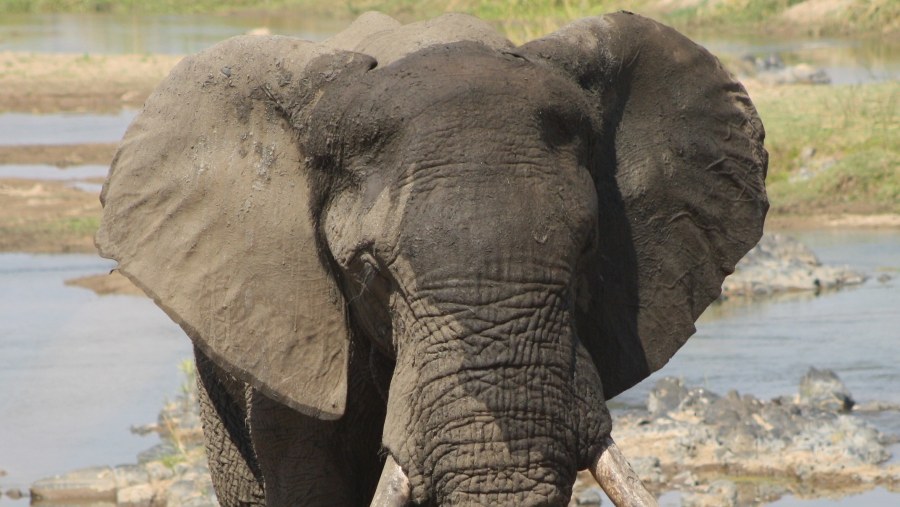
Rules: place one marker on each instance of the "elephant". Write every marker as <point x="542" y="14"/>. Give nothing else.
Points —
<point x="416" y="261"/>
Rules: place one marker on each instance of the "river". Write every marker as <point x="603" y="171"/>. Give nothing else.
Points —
<point x="846" y="61"/>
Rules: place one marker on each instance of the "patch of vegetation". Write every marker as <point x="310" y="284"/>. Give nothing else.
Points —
<point x="833" y="148"/>
<point x="86" y="225"/>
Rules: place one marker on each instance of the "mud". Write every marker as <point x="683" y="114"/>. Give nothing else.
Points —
<point x="44" y="83"/>
<point x="46" y="217"/>
<point x="65" y="155"/>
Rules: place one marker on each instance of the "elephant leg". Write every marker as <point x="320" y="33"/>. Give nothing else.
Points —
<point x="310" y="462"/>
<point x="235" y="472"/>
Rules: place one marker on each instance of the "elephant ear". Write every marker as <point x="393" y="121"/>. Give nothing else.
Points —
<point x="680" y="174"/>
<point x="207" y="209"/>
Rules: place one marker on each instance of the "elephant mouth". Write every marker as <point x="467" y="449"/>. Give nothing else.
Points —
<point x="609" y="467"/>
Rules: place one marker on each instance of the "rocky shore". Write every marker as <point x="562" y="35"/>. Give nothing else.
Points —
<point x="739" y="450"/>
<point x="712" y="449"/>
<point x="780" y="264"/>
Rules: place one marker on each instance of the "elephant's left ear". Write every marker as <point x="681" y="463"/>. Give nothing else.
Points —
<point x="679" y="172"/>
<point x="207" y="209"/>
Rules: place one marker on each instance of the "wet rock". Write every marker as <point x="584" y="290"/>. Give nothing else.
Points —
<point x="590" y="496"/>
<point x="824" y="390"/>
<point x="84" y="485"/>
<point x="158" y="452"/>
<point x="15" y="493"/>
<point x="648" y="468"/>
<point x="666" y="396"/>
<point x="718" y="494"/>
<point x="131" y="475"/>
<point x="188" y="493"/>
<point x="695" y="437"/>
<point x="779" y="263"/>
<point x="158" y="472"/>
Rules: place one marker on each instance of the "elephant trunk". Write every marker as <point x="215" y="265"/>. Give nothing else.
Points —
<point x="497" y="405"/>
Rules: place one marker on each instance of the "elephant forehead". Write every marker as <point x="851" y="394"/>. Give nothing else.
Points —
<point x="469" y="80"/>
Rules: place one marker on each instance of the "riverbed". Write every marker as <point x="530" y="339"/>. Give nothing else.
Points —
<point x="82" y="369"/>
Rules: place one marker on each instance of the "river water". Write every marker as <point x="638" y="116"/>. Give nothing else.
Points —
<point x="77" y="370"/>
<point x="846" y="61"/>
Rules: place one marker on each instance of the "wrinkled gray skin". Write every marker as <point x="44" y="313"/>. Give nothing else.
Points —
<point x="493" y="241"/>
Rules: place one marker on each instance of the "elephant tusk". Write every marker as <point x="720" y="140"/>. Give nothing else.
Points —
<point x="621" y="484"/>
<point x="393" y="486"/>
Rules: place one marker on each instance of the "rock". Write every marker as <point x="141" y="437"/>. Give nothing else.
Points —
<point x="796" y="443"/>
<point x="84" y="485"/>
<point x="824" y="390"/>
<point x="131" y="475"/>
<point x="648" y="469"/>
<point x="184" y="493"/>
<point x="779" y="263"/>
<point x="590" y="496"/>
<point x="718" y="494"/>
<point x="158" y="472"/>
<point x="139" y="495"/>
<point x="15" y="493"/>
<point x="666" y="396"/>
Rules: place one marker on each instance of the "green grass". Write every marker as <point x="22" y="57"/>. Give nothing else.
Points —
<point x="76" y="225"/>
<point x="833" y="148"/>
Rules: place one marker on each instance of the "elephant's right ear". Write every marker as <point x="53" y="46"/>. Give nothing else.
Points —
<point x="679" y="172"/>
<point x="207" y="209"/>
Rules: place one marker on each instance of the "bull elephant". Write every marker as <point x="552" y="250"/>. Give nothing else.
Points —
<point x="415" y="261"/>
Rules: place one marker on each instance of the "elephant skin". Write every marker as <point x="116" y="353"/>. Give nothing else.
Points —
<point x="423" y="242"/>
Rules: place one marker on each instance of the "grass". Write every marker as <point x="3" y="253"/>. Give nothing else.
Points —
<point x="833" y="148"/>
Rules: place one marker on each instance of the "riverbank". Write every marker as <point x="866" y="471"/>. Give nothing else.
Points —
<point x="834" y="150"/>
<point x="709" y="449"/>
<point x="524" y="19"/>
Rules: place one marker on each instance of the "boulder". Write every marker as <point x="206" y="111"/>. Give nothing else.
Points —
<point x="824" y="390"/>
<point x="83" y="485"/>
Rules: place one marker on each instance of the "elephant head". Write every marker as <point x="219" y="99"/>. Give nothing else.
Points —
<point x="524" y="232"/>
